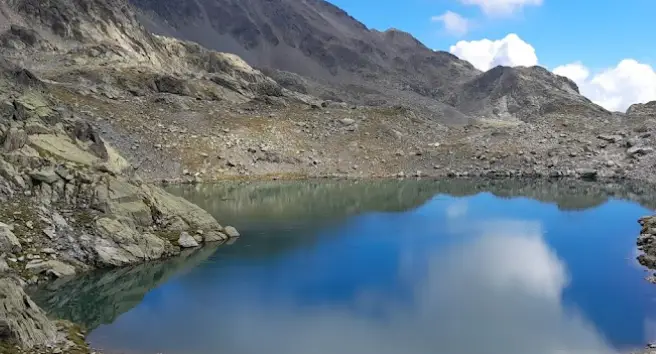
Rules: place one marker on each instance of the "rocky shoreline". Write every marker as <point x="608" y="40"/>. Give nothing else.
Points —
<point x="68" y="204"/>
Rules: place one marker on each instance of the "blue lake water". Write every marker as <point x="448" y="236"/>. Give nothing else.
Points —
<point x="377" y="268"/>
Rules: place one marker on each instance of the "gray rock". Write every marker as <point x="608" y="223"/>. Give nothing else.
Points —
<point x="62" y="172"/>
<point x="347" y="121"/>
<point x="187" y="241"/>
<point x="639" y="150"/>
<point x="214" y="236"/>
<point x="47" y="176"/>
<point x="54" y="268"/>
<point x="14" y="140"/>
<point x="50" y="232"/>
<point x="21" y="320"/>
<point x="231" y="231"/>
<point x="4" y="267"/>
<point x="119" y="244"/>
<point x="8" y="241"/>
<point x="8" y="171"/>
<point x="587" y="173"/>
<point x="610" y="138"/>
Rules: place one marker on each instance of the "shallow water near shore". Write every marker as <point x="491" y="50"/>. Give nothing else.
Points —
<point x="413" y="267"/>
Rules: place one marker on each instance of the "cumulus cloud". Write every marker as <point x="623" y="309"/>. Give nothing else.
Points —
<point x="453" y="23"/>
<point x="485" y="54"/>
<point x="501" y="7"/>
<point x="614" y="88"/>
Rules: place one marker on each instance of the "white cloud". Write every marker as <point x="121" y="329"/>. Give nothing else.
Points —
<point x="453" y="23"/>
<point x="486" y="54"/>
<point x="577" y="72"/>
<point x="501" y="7"/>
<point x="614" y="88"/>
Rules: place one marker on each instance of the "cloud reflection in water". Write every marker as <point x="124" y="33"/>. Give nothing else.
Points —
<point x="497" y="292"/>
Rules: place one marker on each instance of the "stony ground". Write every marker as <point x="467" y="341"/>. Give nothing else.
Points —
<point x="181" y="138"/>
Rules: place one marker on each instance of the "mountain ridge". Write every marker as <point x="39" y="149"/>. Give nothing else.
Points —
<point x="320" y="42"/>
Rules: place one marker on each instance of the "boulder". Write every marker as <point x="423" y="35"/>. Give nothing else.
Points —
<point x="231" y="231"/>
<point x="118" y="244"/>
<point x="32" y="105"/>
<point x="117" y="196"/>
<point x="587" y="174"/>
<point x="347" y="121"/>
<point x="47" y="176"/>
<point x="53" y="268"/>
<point x="187" y="241"/>
<point x="4" y="267"/>
<point x="639" y="151"/>
<point x="8" y="171"/>
<point x="61" y="147"/>
<point x="8" y="241"/>
<point x="14" y="140"/>
<point x="214" y="236"/>
<point x="21" y="320"/>
<point x="166" y="207"/>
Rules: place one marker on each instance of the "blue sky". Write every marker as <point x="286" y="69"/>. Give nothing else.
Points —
<point x="598" y="33"/>
<point x="593" y="37"/>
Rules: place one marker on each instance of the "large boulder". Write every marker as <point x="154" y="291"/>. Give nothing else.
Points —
<point x="118" y="244"/>
<point x="53" y="268"/>
<point x="8" y="241"/>
<point x="167" y="208"/>
<point x="62" y="148"/>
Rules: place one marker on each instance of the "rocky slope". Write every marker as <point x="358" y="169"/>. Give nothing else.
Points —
<point x="69" y="202"/>
<point x="317" y="40"/>
<point x="642" y="110"/>
<point x="525" y="93"/>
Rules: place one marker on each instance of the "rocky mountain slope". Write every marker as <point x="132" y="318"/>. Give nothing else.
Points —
<point x="317" y="40"/>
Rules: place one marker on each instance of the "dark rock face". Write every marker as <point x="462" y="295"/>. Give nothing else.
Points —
<point x="311" y="38"/>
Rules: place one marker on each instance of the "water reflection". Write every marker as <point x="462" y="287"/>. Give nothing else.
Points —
<point x="422" y="273"/>
<point x="100" y="297"/>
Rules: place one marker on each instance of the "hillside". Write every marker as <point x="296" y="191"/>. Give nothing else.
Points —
<point x="319" y="41"/>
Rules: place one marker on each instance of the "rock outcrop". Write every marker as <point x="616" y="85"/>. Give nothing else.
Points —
<point x="642" y="110"/>
<point x="21" y="320"/>
<point x="69" y="202"/>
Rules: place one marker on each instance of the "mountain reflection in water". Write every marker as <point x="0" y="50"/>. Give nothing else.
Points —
<point x="385" y="267"/>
